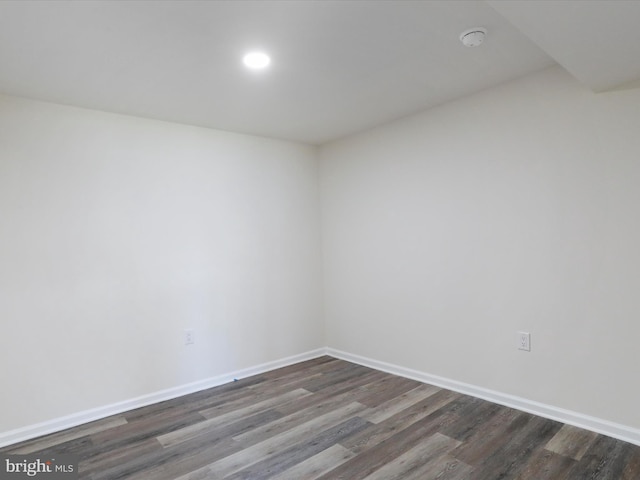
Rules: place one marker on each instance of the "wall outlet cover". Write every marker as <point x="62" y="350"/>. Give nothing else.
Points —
<point x="524" y="341"/>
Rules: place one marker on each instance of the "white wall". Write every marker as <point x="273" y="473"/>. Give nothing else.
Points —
<point x="513" y="209"/>
<point x="116" y="233"/>
<point x="442" y="234"/>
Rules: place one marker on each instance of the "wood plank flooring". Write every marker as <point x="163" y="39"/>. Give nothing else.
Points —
<point x="328" y="419"/>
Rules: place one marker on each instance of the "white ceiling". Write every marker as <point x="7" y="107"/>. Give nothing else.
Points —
<point x="596" y="41"/>
<point x="338" y="67"/>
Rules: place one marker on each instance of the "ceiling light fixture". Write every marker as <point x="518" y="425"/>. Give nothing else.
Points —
<point x="473" y="37"/>
<point x="256" y="60"/>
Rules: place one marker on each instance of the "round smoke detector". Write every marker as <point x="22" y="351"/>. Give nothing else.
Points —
<point x="473" y="37"/>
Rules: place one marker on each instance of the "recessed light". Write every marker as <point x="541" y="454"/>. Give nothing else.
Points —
<point x="256" y="60"/>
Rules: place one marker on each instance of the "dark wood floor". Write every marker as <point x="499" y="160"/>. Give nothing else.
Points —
<point x="330" y="419"/>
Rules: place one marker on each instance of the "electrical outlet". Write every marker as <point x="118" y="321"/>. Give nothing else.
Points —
<point x="524" y="341"/>
<point x="189" y="336"/>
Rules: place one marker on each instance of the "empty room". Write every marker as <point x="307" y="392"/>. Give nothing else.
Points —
<point x="319" y="239"/>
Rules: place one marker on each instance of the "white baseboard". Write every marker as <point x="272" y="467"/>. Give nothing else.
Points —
<point x="605" y="427"/>
<point x="62" y="423"/>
